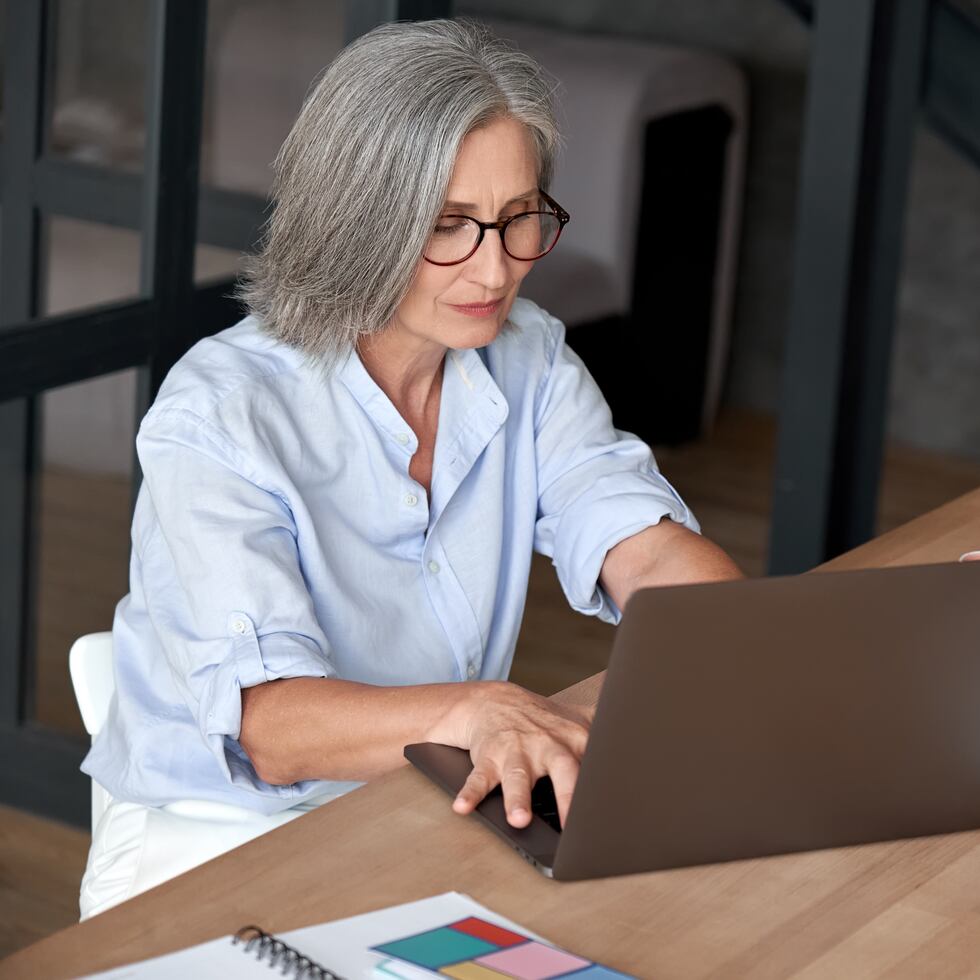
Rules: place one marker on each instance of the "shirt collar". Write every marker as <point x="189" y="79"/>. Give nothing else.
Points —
<point x="376" y="403"/>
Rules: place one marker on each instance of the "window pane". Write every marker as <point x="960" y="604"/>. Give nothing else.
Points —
<point x="89" y="264"/>
<point x="99" y="74"/>
<point x="211" y="263"/>
<point x="261" y="59"/>
<point x="86" y="463"/>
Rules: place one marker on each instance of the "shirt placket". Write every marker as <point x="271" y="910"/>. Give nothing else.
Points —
<point x="476" y="411"/>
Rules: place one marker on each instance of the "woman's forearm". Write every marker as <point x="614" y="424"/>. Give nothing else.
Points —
<point x="665" y="554"/>
<point x="314" y="728"/>
<point x="318" y="728"/>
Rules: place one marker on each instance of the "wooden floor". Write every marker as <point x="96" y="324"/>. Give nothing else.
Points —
<point x="41" y="864"/>
<point x="726" y="480"/>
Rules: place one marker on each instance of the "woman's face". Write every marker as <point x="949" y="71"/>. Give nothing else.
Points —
<point x="465" y="305"/>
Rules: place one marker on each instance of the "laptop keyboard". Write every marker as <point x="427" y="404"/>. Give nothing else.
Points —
<point x="544" y="804"/>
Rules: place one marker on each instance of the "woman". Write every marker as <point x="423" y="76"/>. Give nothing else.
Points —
<point x="342" y="493"/>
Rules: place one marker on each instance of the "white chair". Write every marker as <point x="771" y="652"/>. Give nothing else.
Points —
<point x="191" y="831"/>
<point x="90" y="665"/>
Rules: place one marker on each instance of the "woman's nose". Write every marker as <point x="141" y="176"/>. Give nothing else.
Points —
<point x="489" y="264"/>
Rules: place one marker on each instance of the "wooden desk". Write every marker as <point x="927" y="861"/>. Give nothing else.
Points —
<point x="902" y="909"/>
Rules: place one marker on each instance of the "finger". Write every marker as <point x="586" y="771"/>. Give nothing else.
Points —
<point x="579" y="742"/>
<point x="476" y="787"/>
<point x="584" y="716"/>
<point x="970" y="556"/>
<point x="516" y="783"/>
<point x="564" y="774"/>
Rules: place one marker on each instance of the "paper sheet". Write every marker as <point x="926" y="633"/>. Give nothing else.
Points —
<point x="343" y="946"/>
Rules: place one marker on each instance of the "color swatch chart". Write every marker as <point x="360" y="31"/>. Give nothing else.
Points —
<point x="473" y="949"/>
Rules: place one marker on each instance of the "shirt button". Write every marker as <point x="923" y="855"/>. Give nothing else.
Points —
<point x="411" y="500"/>
<point x="402" y="437"/>
<point x="471" y="671"/>
<point x="239" y="626"/>
<point x="434" y="567"/>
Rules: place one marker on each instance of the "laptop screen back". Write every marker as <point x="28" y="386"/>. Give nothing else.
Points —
<point x="758" y="717"/>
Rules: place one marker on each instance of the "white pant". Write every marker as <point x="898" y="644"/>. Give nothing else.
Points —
<point x="135" y="847"/>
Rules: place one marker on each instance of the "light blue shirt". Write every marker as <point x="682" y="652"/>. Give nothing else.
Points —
<point x="278" y="534"/>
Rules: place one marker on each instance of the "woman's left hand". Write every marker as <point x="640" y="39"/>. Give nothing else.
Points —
<point x="514" y="738"/>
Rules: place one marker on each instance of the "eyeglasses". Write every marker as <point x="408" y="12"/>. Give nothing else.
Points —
<point x="526" y="236"/>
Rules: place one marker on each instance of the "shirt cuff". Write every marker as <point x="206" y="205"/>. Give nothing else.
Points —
<point x="591" y="528"/>
<point x="252" y="660"/>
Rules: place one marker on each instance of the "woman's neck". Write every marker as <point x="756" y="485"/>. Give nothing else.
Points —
<point x="411" y="376"/>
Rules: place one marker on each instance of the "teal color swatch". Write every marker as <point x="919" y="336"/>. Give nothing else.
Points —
<point x="437" y="948"/>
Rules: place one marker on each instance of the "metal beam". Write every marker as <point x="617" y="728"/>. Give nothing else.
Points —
<point x="951" y="92"/>
<point x="175" y="73"/>
<point x="99" y="341"/>
<point x="24" y="111"/>
<point x="88" y="344"/>
<point x="24" y="74"/>
<point x="861" y="110"/>
<point x="228" y="219"/>
<point x="15" y="460"/>
<point x="215" y="307"/>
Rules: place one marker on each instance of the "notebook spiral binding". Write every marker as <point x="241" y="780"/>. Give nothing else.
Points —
<point x="290" y="962"/>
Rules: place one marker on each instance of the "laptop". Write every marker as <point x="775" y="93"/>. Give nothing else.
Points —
<point x="743" y="719"/>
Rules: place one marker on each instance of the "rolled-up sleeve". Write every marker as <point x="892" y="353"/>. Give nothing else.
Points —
<point x="596" y="485"/>
<point x="222" y="577"/>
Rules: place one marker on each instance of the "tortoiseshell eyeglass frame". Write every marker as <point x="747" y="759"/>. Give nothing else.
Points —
<point x="557" y="211"/>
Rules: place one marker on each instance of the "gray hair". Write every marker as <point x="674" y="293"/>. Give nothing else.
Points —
<point x="364" y="172"/>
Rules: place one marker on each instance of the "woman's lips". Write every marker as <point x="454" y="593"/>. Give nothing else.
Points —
<point x="478" y="309"/>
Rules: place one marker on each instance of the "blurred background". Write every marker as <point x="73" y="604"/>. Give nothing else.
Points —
<point x="771" y="269"/>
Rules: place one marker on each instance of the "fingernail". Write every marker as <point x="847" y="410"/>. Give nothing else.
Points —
<point x="519" y="814"/>
<point x="970" y="556"/>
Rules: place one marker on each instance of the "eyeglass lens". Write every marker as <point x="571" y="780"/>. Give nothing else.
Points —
<point x="528" y="236"/>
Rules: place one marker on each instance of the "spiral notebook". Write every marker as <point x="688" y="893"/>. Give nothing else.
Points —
<point x="447" y="936"/>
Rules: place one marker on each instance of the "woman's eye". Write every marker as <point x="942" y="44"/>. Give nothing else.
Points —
<point x="449" y="227"/>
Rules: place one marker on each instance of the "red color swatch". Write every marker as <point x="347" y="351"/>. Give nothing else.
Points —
<point x="484" y="930"/>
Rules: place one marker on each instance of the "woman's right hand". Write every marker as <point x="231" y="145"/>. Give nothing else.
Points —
<point x="515" y="737"/>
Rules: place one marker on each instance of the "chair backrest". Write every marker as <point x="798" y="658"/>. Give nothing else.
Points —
<point x="90" y="664"/>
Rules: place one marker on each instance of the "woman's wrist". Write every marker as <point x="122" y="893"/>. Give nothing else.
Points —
<point x="463" y="701"/>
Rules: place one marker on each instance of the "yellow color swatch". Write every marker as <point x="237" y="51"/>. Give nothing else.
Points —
<point x="473" y="971"/>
